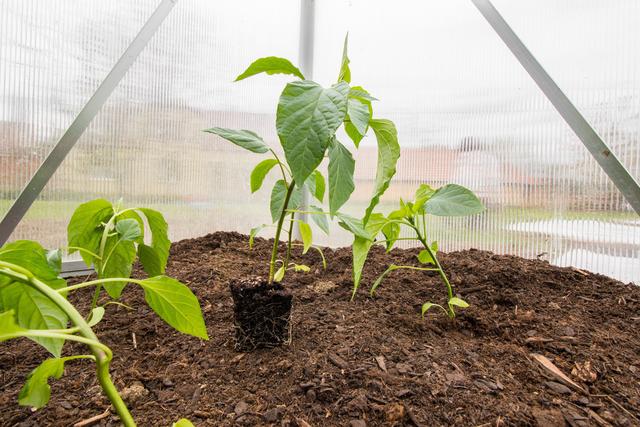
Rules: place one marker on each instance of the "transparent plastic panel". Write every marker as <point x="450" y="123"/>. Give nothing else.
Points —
<point x="468" y="113"/>
<point x="146" y="145"/>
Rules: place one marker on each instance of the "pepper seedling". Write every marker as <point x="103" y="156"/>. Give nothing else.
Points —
<point x="33" y="298"/>
<point x="448" y="200"/>
<point x="307" y="118"/>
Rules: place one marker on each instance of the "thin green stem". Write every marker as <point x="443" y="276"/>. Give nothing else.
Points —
<point x="444" y="277"/>
<point x="288" y="257"/>
<point x="77" y="248"/>
<point x="308" y="212"/>
<point x="101" y="352"/>
<point x="282" y="166"/>
<point x="276" y="241"/>
<point x="97" y="282"/>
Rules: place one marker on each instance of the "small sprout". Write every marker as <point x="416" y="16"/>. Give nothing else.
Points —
<point x="301" y="267"/>
<point x="455" y="301"/>
<point x="279" y="274"/>
<point x="96" y="316"/>
<point x="427" y="305"/>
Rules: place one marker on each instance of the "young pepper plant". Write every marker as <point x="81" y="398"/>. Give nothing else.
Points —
<point x="33" y="298"/>
<point x="448" y="200"/>
<point x="307" y="118"/>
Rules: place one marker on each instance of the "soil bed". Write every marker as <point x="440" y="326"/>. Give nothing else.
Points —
<point x="367" y="362"/>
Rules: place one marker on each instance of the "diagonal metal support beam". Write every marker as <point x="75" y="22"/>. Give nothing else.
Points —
<point x="44" y="173"/>
<point x="607" y="160"/>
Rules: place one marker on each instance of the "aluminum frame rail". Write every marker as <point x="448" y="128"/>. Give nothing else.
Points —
<point x="615" y="170"/>
<point x="64" y="145"/>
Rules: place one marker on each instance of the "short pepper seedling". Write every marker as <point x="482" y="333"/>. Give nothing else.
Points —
<point x="33" y="297"/>
<point x="307" y="118"/>
<point x="448" y="200"/>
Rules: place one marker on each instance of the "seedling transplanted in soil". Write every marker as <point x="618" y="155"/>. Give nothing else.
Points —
<point x="308" y="116"/>
<point x="448" y="200"/>
<point x="33" y="298"/>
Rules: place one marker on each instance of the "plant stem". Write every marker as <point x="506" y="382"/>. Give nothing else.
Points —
<point x="444" y="277"/>
<point x="101" y="352"/>
<point x="276" y="241"/>
<point x="288" y="257"/>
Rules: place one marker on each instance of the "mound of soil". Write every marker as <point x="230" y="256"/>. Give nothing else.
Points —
<point x="372" y="361"/>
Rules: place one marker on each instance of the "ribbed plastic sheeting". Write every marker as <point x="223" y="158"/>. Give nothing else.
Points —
<point x="468" y="113"/>
<point x="146" y="145"/>
<point x="465" y="109"/>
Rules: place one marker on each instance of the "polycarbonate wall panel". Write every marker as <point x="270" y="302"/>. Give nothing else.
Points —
<point x="465" y="109"/>
<point x="468" y="113"/>
<point x="146" y="145"/>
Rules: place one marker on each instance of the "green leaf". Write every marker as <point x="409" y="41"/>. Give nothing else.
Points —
<point x="260" y="172"/>
<point x="149" y="259"/>
<point x="434" y="247"/>
<point x="183" y="422"/>
<point x="341" y="168"/>
<point x="175" y="304"/>
<point x="133" y="215"/>
<point x="307" y="117"/>
<point x="301" y="267"/>
<point x="119" y="257"/>
<point x="128" y="229"/>
<point x="316" y="185"/>
<point x="307" y="236"/>
<point x="427" y="305"/>
<point x="361" y="247"/>
<point x="378" y="281"/>
<point x="242" y="138"/>
<point x="36" y="390"/>
<point x="353" y="225"/>
<point x="425" y="257"/>
<point x="54" y="260"/>
<point x="345" y="72"/>
<point x="278" y="195"/>
<point x="453" y="200"/>
<point x="455" y="301"/>
<point x="85" y="227"/>
<point x="270" y="65"/>
<point x="360" y="93"/>
<point x="279" y="274"/>
<point x="254" y="231"/>
<point x="388" y="155"/>
<point x="423" y="193"/>
<point x="353" y="133"/>
<point x="33" y="310"/>
<point x="391" y="233"/>
<point x="8" y="327"/>
<point x="359" y="114"/>
<point x="96" y="316"/>
<point x="159" y="242"/>
<point x="320" y="219"/>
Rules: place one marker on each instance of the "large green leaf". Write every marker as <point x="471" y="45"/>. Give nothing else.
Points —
<point x="341" y="167"/>
<point x="33" y="310"/>
<point x="242" y="138"/>
<point x="270" y="65"/>
<point x="345" y="71"/>
<point x="85" y="227"/>
<point x="316" y="185"/>
<point x="8" y="327"/>
<point x="361" y="93"/>
<point x="260" y="172"/>
<point x="175" y="304"/>
<point x="160" y="242"/>
<point x="353" y="133"/>
<point x="388" y="155"/>
<point x="320" y="219"/>
<point x="36" y="390"/>
<point x="307" y="117"/>
<point x="453" y="200"/>
<point x="119" y="257"/>
<point x="361" y="247"/>
<point x="423" y="193"/>
<point x="359" y="114"/>
<point x="278" y="195"/>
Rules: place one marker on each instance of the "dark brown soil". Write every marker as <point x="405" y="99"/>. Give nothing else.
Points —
<point x="371" y="360"/>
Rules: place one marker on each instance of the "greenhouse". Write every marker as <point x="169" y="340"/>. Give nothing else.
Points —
<point x="320" y="213"/>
